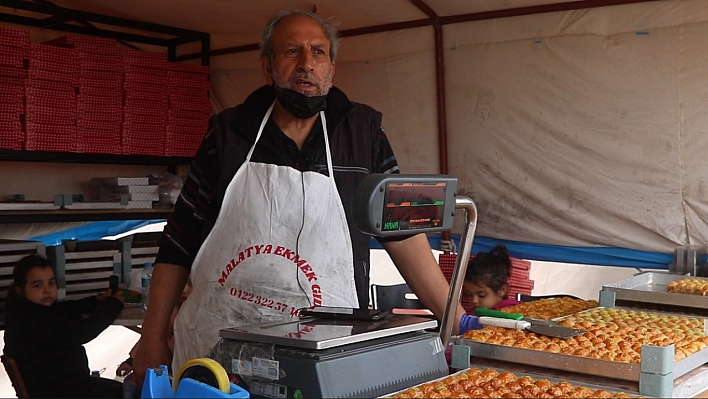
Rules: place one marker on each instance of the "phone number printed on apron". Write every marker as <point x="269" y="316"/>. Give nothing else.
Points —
<point x="268" y="249"/>
<point x="259" y="300"/>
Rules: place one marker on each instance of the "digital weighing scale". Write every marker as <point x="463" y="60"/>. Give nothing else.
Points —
<point x="345" y="358"/>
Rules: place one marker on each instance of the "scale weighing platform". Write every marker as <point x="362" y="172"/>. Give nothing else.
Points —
<point x="318" y="357"/>
<point x="324" y="358"/>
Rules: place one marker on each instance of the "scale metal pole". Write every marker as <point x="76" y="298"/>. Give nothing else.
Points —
<point x="458" y="273"/>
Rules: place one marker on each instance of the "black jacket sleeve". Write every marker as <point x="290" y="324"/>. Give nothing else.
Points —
<point x="69" y="328"/>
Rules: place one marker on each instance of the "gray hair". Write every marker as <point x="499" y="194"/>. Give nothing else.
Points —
<point x="329" y="29"/>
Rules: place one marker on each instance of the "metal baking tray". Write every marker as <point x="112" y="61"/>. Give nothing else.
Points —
<point x="650" y="287"/>
<point x="579" y="364"/>
<point x="537" y="377"/>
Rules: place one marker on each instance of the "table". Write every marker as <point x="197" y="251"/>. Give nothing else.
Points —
<point x="131" y="317"/>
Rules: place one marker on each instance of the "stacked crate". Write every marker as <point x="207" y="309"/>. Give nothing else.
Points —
<point x="145" y="102"/>
<point x="50" y="99"/>
<point x="14" y="52"/>
<point x="83" y="268"/>
<point x="518" y="282"/>
<point x="135" y="192"/>
<point x="189" y="108"/>
<point x="100" y="98"/>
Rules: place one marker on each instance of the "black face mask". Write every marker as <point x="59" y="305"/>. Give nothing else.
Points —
<point x="298" y="104"/>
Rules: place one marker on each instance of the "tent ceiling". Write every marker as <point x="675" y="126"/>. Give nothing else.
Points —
<point x="243" y="21"/>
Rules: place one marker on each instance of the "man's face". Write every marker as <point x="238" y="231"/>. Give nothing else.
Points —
<point x="301" y="59"/>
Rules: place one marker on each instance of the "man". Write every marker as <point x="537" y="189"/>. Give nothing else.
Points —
<point x="279" y="171"/>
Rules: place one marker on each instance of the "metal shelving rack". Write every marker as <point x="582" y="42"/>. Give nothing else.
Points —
<point x="45" y="15"/>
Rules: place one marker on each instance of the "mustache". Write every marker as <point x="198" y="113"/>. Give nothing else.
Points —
<point x="306" y="76"/>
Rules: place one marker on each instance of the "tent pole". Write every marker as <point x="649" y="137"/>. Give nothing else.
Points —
<point x="440" y="89"/>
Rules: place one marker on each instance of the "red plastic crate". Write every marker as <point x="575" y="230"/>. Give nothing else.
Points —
<point x="51" y="86"/>
<point x="100" y="62"/>
<point x="87" y="82"/>
<point x="33" y="109"/>
<point x="88" y="107"/>
<point x="191" y="105"/>
<point x="131" y="118"/>
<point x="48" y="119"/>
<point x="13" y="72"/>
<point x="104" y="76"/>
<point x="10" y="81"/>
<point x="100" y="91"/>
<point x="54" y="54"/>
<point x="159" y="96"/>
<point x="130" y="86"/>
<point x="87" y="44"/>
<point x="13" y="37"/>
<point x="53" y="76"/>
<point x="15" y="108"/>
<point x="139" y="70"/>
<point x="147" y="63"/>
<point x="11" y="144"/>
<point x="111" y="102"/>
<point x="14" y="56"/>
<point x="136" y="102"/>
<point x="87" y="125"/>
<point x="51" y="102"/>
<point x="109" y="117"/>
<point x="192" y="92"/>
<point x="71" y="69"/>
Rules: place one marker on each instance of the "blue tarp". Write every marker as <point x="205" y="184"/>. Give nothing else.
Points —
<point x="94" y="231"/>
<point x="605" y="256"/>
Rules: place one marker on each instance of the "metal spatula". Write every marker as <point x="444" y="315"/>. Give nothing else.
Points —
<point x="517" y="321"/>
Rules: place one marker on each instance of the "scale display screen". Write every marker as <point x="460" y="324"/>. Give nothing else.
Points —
<point x="387" y="205"/>
<point x="413" y="206"/>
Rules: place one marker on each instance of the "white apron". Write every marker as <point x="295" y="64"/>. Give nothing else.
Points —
<point x="280" y="242"/>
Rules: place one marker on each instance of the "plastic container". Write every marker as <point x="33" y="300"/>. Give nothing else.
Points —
<point x="146" y="279"/>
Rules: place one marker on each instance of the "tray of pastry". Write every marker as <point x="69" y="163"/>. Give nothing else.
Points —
<point x="662" y="288"/>
<point x="611" y="347"/>
<point x="486" y="382"/>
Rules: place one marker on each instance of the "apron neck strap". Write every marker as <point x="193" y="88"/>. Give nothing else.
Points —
<point x="324" y="129"/>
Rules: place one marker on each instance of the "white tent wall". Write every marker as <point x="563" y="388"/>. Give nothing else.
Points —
<point x="574" y="128"/>
<point x="570" y="128"/>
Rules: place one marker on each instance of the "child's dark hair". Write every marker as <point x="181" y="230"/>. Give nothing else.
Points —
<point x="490" y="268"/>
<point x="22" y="269"/>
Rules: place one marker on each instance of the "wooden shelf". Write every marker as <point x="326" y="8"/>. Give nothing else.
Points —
<point x="75" y="157"/>
<point x="84" y="215"/>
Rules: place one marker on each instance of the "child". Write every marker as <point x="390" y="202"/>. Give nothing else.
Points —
<point x="486" y="284"/>
<point x="46" y="337"/>
<point x="486" y="279"/>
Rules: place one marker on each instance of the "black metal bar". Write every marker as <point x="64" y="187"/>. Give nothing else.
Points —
<point x="71" y="157"/>
<point x="55" y="20"/>
<point x="540" y="9"/>
<point x="171" y="52"/>
<point x="99" y="18"/>
<point x="130" y="37"/>
<point x="206" y="51"/>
